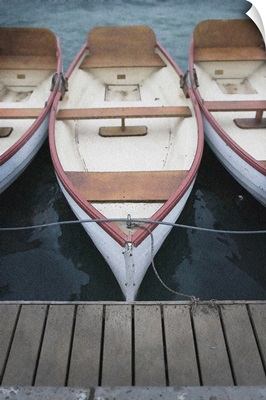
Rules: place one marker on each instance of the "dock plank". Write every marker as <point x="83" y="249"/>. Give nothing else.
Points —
<point x="258" y="315"/>
<point x="180" y="347"/>
<point x="87" y="344"/>
<point x="85" y="356"/>
<point x="23" y="355"/>
<point x="8" y="317"/>
<point x="149" y="354"/>
<point x="212" y="353"/>
<point x="243" y="350"/>
<point x="53" y="363"/>
<point x="117" y="351"/>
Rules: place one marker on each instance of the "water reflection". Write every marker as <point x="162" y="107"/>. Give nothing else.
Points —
<point x="213" y="265"/>
<point x="61" y="262"/>
<point x="51" y="263"/>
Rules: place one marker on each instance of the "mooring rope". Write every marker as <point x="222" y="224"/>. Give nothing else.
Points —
<point x="192" y="298"/>
<point x="137" y="221"/>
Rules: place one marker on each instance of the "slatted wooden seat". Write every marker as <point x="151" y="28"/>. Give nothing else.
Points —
<point x="27" y="48"/>
<point x="122" y="46"/>
<point x="28" y="62"/>
<point x="243" y="105"/>
<point x="228" y="40"/>
<point x="127" y="186"/>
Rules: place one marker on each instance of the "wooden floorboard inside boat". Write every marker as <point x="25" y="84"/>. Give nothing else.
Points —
<point x="138" y="344"/>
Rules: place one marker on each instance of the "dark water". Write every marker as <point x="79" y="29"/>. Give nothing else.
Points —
<point x="61" y="263"/>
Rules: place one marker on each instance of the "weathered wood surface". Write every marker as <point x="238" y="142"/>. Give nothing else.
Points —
<point x="180" y="346"/>
<point x="139" y="344"/>
<point x="149" y="347"/>
<point x="127" y="186"/>
<point x="124" y="46"/>
<point x="210" y="341"/>
<point x="86" y="341"/>
<point x="229" y="40"/>
<point x="205" y="54"/>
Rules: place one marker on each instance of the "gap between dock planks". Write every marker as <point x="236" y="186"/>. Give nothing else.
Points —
<point x="139" y="344"/>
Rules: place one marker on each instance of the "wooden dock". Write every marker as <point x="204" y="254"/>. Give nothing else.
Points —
<point x="139" y="344"/>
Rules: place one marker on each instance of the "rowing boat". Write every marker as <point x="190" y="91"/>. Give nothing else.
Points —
<point x="228" y="74"/>
<point x="126" y="141"/>
<point x="30" y="66"/>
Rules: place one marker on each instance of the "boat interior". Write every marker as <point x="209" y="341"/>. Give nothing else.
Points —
<point x="230" y="68"/>
<point x="27" y="63"/>
<point x="125" y="119"/>
<point x="122" y="121"/>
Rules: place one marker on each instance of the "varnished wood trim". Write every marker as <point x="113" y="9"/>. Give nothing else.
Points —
<point x="241" y="105"/>
<point x="127" y="112"/>
<point x="20" y="113"/>
<point x="127" y="186"/>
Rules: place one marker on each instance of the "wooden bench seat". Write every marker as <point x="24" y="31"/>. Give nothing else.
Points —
<point x="112" y="61"/>
<point x="237" y="105"/>
<point x="27" y="48"/>
<point x="20" y="113"/>
<point x="243" y="105"/>
<point x="122" y="113"/>
<point x="228" y="40"/>
<point x="28" y="63"/>
<point x="127" y="112"/>
<point x="122" y="46"/>
<point x="127" y="186"/>
<point x="229" y="54"/>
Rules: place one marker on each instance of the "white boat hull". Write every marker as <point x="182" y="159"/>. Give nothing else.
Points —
<point x="30" y="76"/>
<point x="247" y="176"/>
<point x="16" y="164"/>
<point x="227" y="74"/>
<point x="120" y="152"/>
<point x="128" y="264"/>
